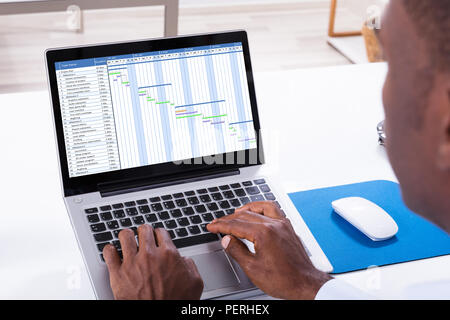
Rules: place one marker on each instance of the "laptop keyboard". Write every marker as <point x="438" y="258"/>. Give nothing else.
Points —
<point x="184" y="215"/>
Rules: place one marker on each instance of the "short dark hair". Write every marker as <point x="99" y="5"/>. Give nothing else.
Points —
<point x="432" y="21"/>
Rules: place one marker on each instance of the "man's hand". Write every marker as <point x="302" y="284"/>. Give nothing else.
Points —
<point x="155" y="271"/>
<point x="280" y="266"/>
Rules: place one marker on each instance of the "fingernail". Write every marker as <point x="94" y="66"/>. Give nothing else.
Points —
<point x="225" y="241"/>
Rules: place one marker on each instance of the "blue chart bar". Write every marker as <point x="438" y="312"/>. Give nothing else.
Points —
<point x="156" y="85"/>
<point x="240" y="122"/>
<point x="198" y="104"/>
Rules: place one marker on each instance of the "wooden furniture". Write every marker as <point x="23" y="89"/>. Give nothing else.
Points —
<point x="39" y="6"/>
<point x="331" y="22"/>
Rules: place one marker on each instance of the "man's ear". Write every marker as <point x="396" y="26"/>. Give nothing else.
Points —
<point x="443" y="158"/>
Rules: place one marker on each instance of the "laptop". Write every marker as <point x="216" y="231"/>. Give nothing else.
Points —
<point x="163" y="132"/>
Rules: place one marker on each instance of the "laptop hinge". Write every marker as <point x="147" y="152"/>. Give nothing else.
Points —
<point x="126" y="186"/>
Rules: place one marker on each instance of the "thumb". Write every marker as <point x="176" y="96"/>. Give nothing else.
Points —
<point x="236" y="249"/>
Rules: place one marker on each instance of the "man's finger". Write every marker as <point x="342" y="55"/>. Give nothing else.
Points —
<point x="146" y="237"/>
<point x="112" y="258"/>
<point x="267" y="208"/>
<point x="238" y="250"/>
<point x="236" y="227"/>
<point x="128" y="243"/>
<point x="163" y="238"/>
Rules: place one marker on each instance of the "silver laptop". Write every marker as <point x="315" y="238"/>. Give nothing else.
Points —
<point x="163" y="132"/>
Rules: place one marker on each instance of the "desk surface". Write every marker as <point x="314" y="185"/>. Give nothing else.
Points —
<point x="319" y="129"/>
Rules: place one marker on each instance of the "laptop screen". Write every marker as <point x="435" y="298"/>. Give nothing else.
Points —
<point x="134" y="110"/>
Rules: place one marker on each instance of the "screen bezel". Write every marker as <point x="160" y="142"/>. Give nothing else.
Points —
<point x="89" y="183"/>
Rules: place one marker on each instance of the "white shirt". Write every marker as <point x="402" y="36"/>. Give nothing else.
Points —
<point x="340" y="290"/>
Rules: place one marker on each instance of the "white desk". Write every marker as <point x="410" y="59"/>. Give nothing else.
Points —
<point x="319" y="130"/>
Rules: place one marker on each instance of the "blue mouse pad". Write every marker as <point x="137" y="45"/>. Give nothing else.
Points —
<point x="347" y="248"/>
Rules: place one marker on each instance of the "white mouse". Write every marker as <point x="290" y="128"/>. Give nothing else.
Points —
<point x="367" y="217"/>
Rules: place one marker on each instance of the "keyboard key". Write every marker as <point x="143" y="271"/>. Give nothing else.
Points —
<point x="102" y="237"/>
<point x="132" y="211"/>
<point x="116" y="233"/>
<point x="212" y="206"/>
<point x="142" y="201"/>
<point x="224" y="187"/>
<point x="219" y="214"/>
<point x="116" y="243"/>
<point x="205" y="198"/>
<point x="176" y="213"/>
<point x="258" y="197"/>
<point x="235" y="203"/>
<point x="130" y="204"/>
<point x="151" y="217"/>
<point x="172" y="234"/>
<point x="164" y="215"/>
<point x="98" y="227"/>
<point x="157" y="207"/>
<point x="228" y="194"/>
<point x="182" y="232"/>
<point x="195" y="219"/>
<point x="217" y="196"/>
<point x="170" y="224"/>
<point x="181" y="202"/>
<point x="259" y="181"/>
<point x="106" y="215"/>
<point x="183" y="222"/>
<point x="155" y="199"/>
<point x="202" y="191"/>
<point x="269" y="196"/>
<point x="224" y="204"/>
<point x="187" y="211"/>
<point x="193" y="200"/>
<point x="213" y="189"/>
<point x="245" y="200"/>
<point x="144" y="209"/>
<point x="247" y="183"/>
<point x="252" y="190"/>
<point x="112" y="224"/>
<point x="169" y="205"/>
<point x="200" y="208"/>
<point x="92" y="218"/>
<point x="235" y="185"/>
<point x="134" y="229"/>
<point x="229" y="211"/>
<point x="207" y="217"/>
<point x="203" y="226"/>
<point x="199" y="239"/>
<point x="119" y="214"/>
<point x="240" y="192"/>
<point x="125" y="222"/>
<point x="117" y="206"/>
<point x="91" y="210"/>
<point x="105" y="208"/>
<point x="189" y="193"/>
<point x="157" y="225"/>
<point x="194" y="229"/>
<point x="100" y="246"/>
<point x="277" y="204"/>
<point x="166" y="197"/>
<point x="264" y="188"/>
<point x="178" y="195"/>
<point x="138" y="220"/>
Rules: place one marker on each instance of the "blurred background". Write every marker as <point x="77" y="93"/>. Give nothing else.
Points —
<point x="283" y="34"/>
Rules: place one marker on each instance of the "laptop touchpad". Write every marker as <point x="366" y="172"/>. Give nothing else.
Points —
<point x="216" y="270"/>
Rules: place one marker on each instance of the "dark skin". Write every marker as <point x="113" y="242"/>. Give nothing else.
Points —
<point x="419" y="154"/>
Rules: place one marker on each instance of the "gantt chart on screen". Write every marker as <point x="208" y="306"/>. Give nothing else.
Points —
<point x="147" y="108"/>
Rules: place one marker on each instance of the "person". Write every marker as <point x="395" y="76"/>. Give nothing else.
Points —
<point x="416" y="97"/>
